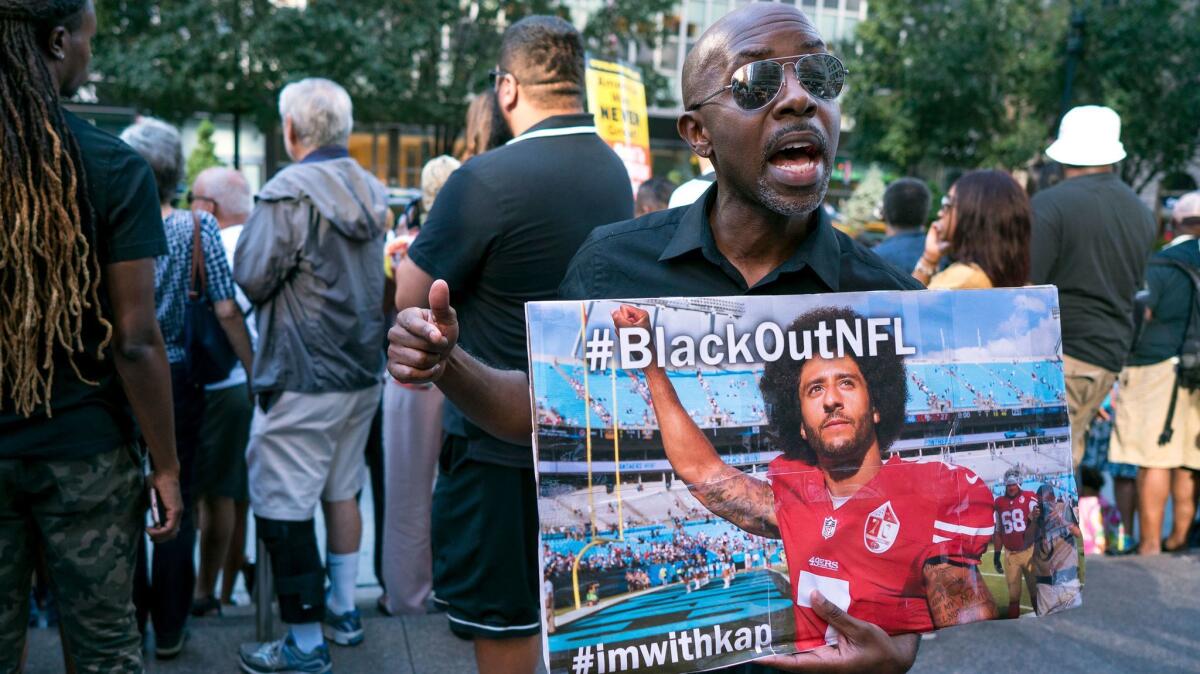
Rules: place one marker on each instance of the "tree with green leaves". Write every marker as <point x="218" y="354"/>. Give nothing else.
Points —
<point x="1143" y="60"/>
<point x="204" y="155"/>
<point x="955" y="83"/>
<point x="611" y="30"/>
<point x="221" y="56"/>
<point x="864" y="202"/>
<point x="973" y="83"/>
<point x="416" y="62"/>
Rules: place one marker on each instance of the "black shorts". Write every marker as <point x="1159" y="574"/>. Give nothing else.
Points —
<point x="485" y="543"/>
<point x="220" y="468"/>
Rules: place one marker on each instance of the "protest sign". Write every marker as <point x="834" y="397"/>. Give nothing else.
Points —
<point x="617" y="99"/>
<point x="705" y="464"/>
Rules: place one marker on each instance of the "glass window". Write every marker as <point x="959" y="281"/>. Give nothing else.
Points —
<point x="849" y="28"/>
<point x="827" y="25"/>
<point x="370" y="150"/>
<point x="670" y="53"/>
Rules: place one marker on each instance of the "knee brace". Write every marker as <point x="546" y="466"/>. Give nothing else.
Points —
<point x="296" y="564"/>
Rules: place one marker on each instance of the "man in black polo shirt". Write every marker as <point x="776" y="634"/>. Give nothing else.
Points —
<point x="501" y="232"/>
<point x="759" y="230"/>
<point x="80" y="346"/>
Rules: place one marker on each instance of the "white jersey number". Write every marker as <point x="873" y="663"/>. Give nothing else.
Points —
<point x="835" y="590"/>
<point x="1013" y="520"/>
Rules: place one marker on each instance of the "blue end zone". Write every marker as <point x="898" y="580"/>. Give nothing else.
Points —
<point x="750" y="599"/>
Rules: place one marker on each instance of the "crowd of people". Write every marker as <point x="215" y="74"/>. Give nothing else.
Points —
<point x="171" y="363"/>
<point x="661" y="557"/>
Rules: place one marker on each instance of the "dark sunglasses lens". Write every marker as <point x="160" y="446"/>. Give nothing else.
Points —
<point x="823" y="75"/>
<point x="756" y="84"/>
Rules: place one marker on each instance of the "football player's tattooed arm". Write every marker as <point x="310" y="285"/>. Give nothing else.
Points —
<point x="956" y="594"/>
<point x="729" y="493"/>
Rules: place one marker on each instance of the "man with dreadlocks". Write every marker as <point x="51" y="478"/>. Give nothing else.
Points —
<point x="79" y="345"/>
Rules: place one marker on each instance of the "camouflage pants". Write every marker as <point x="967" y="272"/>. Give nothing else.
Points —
<point x="86" y="515"/>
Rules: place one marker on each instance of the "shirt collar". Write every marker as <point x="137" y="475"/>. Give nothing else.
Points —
<point x="562" y="122"/>
<point x="325" y="153"/>
<point x="819" y="250"/>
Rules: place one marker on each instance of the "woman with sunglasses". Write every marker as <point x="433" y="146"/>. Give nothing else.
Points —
<point x="983" y="226"/>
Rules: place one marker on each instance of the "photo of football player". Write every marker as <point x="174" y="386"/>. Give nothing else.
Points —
<point x="896" y="543"/>
<point x="1055" y="557"/>
<point x="1015" y="511"/>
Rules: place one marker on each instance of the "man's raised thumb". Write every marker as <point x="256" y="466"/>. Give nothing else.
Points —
<point x="439" y="302"/>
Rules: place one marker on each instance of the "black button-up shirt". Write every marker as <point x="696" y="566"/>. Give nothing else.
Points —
<point x="672" y="253"/>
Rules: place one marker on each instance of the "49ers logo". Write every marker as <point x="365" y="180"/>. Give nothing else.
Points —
<point x="881" y="529"/>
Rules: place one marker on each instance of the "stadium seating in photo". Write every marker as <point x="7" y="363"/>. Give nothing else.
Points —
<point x="731" y="397"/>
<point x="1007" y="384"/>
<point x="568" y="506"/>
<point x="714" y="398"/>
<point x="640" y="540"/>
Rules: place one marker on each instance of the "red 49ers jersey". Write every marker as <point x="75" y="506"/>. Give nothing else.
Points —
<point x="1015" y="519"/>
<point x="867" y="556"/>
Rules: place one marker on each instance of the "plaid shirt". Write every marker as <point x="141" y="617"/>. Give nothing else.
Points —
<point x="172" y="275"/>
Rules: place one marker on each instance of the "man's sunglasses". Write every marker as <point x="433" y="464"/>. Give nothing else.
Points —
<point x="495" y="75"/>
<point x="756" y="84"/>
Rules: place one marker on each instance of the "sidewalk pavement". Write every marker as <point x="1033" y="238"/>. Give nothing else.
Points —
<point x="1139" y="615"/>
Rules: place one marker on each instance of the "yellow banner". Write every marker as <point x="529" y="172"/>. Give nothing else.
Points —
<point x="617" y="99"/>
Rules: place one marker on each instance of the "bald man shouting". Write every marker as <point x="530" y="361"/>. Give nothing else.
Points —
<point x="760" y="91"/>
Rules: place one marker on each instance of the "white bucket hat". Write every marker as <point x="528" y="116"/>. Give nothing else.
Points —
<point x="1090" y="135"/>
<point x="1188" y="206"/>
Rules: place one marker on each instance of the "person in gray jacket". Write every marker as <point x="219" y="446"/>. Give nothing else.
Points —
<point x="309" y="261"/>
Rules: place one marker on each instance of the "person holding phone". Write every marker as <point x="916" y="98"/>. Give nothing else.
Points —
<point x="984" y="225"/>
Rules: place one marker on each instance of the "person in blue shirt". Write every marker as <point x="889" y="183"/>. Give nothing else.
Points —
<point x="1167" y="463"/>
<point x="905" y="212"/>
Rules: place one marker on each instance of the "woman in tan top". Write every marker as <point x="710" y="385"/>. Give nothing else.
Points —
<point x="984" y="226"/>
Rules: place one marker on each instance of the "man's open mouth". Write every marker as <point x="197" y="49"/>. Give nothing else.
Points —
<point x="797" y="161"/>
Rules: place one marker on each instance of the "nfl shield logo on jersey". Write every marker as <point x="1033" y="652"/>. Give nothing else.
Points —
<point x="881" y="528"/>
<point x="828" y="528"/>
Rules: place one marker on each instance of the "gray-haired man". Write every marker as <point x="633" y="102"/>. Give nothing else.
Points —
<point x="309" y="260"/>
<point x="222" y="499"/>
